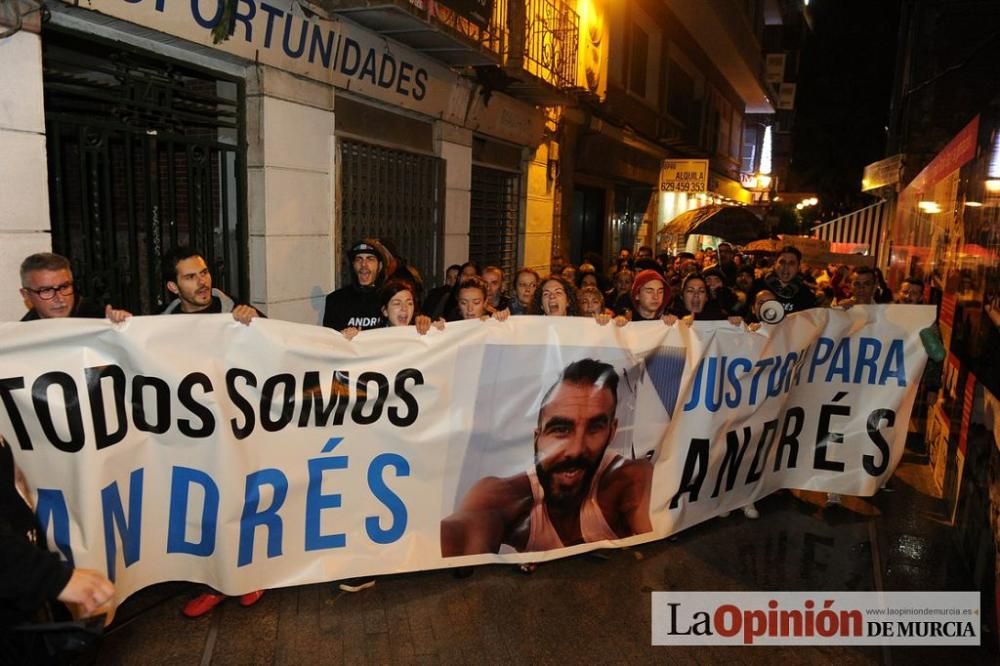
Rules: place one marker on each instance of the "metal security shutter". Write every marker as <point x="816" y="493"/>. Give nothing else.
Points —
<point x="494" y="217"/>
<point x="395" y="195"/>
<point x="143" y="154"/>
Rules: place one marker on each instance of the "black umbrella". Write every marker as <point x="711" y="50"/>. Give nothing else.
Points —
<point x="736" y="224"/>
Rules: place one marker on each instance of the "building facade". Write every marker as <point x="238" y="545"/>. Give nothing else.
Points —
<point x="129" y="127"/>
<point x="273" y="134"/>
<point x="682" y="81"/>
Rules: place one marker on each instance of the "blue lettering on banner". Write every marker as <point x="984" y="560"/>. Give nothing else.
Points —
<point x="180" y="485"/>
<point x="390" y="499"/>
<point x="719" y="380"/>
<point x="269" y="519"/>
<point x="129" y="528"/>
<point x="126" y="526"/>
<point x="316" y="501"/>
<point x="299" y="38"/>
<point x="51" y="505"/>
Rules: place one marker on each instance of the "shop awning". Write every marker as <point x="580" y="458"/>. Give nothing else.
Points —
<point x="736" y="224"/>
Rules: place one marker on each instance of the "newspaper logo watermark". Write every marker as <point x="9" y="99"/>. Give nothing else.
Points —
<point x="816" y="618"/>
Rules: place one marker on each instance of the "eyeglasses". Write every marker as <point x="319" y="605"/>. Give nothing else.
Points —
<point x="48" y="293"/>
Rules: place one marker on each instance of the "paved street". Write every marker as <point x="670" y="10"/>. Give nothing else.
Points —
<point x="593" y="608"/>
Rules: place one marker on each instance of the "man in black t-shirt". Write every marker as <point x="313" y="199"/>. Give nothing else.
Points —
<point x="786" y="283"/>
<point x="357" y="305"/>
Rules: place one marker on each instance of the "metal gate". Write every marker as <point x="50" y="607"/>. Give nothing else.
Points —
<point x="393" y="195"/>
<point x="494" y="218"/>
<point x="143" y="154"/>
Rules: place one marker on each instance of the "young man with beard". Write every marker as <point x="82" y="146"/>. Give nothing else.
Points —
<point x="578" y="491"/>
<point x="357" y="304"/>
<point x="188" y="278"/>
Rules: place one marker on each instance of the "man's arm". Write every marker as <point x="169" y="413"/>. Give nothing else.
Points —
<point x="29" y="576"/>
<point x="480" y="522"/>
<point x="636" y="478"/>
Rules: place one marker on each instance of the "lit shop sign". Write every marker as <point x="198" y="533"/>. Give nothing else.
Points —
<point x="278" y="34"/>
<point x="882" y="173"/>
<point x="689" y="176"/>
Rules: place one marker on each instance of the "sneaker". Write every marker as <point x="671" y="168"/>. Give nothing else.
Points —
<point x="202" y="604"/>
<point x="751" y="512"/>
<point x="833" y="498"/>
<point x="250" y="598"/>
<point x="357" y="584"/>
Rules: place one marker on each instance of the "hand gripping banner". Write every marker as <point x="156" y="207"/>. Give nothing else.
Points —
<point x="247" y="457"/>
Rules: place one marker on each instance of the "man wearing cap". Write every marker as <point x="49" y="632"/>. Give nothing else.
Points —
<point x="357" y="304"/>
<point x="648" y="297"/>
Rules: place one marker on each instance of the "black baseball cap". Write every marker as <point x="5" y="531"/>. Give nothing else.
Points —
<point x="363" y="247"/>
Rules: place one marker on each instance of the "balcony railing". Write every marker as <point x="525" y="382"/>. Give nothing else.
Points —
<point x="534" y="42"/>
<point x="544" y="35"/>
<point x="539" y="37"/>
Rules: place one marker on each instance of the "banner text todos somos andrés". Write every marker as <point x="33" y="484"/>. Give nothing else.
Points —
<point x="195" y="448"/>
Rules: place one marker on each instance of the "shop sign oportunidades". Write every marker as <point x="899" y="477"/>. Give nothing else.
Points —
<point x="278" y="34"/>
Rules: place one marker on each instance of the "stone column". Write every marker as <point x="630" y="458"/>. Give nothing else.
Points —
<point x="25" y="227"/>
<point x="291" y="182"/>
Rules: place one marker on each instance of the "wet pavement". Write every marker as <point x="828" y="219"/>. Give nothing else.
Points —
<point x="592" y="608"/>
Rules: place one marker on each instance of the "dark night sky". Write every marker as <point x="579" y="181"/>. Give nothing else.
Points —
<point x="842" y="102"/>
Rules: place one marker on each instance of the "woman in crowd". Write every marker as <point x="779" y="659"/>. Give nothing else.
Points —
<point x="399" y="309"/>
<point x="556" y="297"/>
<point x="590" y="301"/>
<point x="693" y="301"/>
<point x="472" y="297"/>
<point x="621" y="297"/>
<point x="525" y="285"/>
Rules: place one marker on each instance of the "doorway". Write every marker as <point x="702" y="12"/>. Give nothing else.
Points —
<point x="587" y="229"/>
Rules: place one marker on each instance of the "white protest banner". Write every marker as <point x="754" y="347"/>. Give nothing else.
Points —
<point x="195" y="448"/>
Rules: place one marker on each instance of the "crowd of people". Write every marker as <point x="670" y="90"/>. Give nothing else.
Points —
<point x="713" y="284"/>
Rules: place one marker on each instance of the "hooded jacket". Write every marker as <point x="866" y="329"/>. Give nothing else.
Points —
<point x="221" y="303"/>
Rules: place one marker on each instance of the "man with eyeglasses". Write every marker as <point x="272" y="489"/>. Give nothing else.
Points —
<point x="49" y="291"/>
